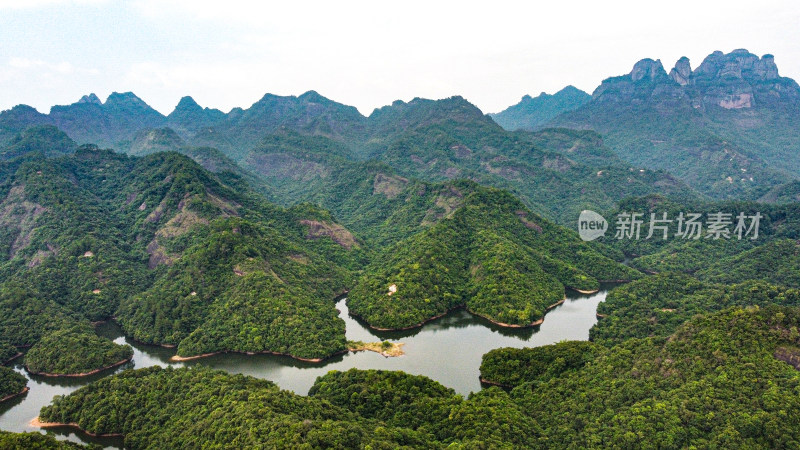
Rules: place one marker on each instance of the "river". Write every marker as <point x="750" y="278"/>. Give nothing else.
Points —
<point x="448" y="350"/>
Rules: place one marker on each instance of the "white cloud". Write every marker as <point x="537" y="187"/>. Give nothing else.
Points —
<point x="33" y="4"/>
<point x="39" y="66"/>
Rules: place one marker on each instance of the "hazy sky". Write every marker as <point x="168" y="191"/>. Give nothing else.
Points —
<point x="367" y="54"/>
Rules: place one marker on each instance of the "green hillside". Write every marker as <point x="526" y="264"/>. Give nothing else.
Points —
<point x="481" y="248"/>
<point x="98" y="235"/>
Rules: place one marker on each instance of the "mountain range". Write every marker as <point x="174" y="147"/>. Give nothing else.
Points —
<point x="730" y="128"/>
<point x="288" y="147"/>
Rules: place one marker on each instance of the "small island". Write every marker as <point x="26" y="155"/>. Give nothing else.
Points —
<point x="385" y="348"/>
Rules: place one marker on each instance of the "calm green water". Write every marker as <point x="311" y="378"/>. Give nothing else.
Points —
<point x="448" y="350"/>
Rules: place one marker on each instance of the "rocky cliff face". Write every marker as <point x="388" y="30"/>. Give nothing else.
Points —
<point x="728" y="127"/>
<point x="681" y="72"/>
<point x="735" y="80"/>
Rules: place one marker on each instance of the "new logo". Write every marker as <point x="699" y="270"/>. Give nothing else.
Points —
<point x="591" y="225"/>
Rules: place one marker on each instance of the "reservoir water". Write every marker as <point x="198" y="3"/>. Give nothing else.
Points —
<point x="448" y="350"/>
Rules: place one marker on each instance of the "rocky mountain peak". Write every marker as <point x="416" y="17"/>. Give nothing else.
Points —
<point x="681" y="72"/>
<point x="738" y="64"/>
<point x="91" y="99"/>
<point x="125" y="98"/>
<point x="187" y="103"/>
<point x="313" y="97"/>
<point x="765" y="68"/>
<point x="647" y="69"/>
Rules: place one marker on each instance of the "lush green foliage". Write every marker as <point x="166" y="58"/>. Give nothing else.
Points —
<point x="245" y="288"/>
<point x="7" y="351"/>
<point x="11" y="382"/>
<point x="45" y="139"/>
<point x="105" y="235"/>
<point x="705" y="386"/>
<point x="397" y="398"/>
<point x="74" y="351"/>
<point x="157" y="408"/>
<point x="657" y="305"/>
<point x="25" y="316"/>
<point x="511" y="367"/>
<point x="485" y="250"/>
<point x="714" y="383"/>
<point x="711" y="257"/>
<point x="34" y="441"/>
<point x="777" y="262"/>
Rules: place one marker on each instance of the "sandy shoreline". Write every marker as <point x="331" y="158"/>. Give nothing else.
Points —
<point x="36" y="423"/>
<point x="177" y="358"/>
<point x="9" y="397"/>
<point x="494" y="383"/>
<point x="12" y="358"/>
<point x="395" y="350"/>
<point x="410" y="327"/>
<point x="594" y="291"/>
<point x="532" y="324"/>
<point x="78" y="375"/>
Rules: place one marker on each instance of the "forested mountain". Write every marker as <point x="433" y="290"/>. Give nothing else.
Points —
<point x="166" y="248"/>
<point x="555" y="172"/>
<point x="295" y="146"/>
<point x="719" y="380"/>
<point x="533" y="112"/>
<point x="729" y="128"/>
<point x="482" y="248"/>
<point x="46" y="139"/>
<point x="656" y="306"/>
<point x="772" y="256"/>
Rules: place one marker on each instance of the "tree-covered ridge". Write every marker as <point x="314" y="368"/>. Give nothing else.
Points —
<point x="554" y="172"/>
<point x="98" y="230"/>
<point x="7" y="352"/>
<point x="73" y="352"/>
<point x="784" y="193"/>
<point x="485" y="250"/>
<point x="26" y="316"/>
<point x="533" y="112"/>
<point x="486" y="419"/>
<point x="296" y="146"/>
<point x="451" y="138"/>
<point x="35" y="441"/>
<point x="45" y="139"/>
<point x="512" y="367"/>
<point x="771" y="256"/>
<point x="239" y="286"/>
<point x="716" y="382"/>
<point x="157" y="408"/>
<point x="656" y="306"/>
<point x="777" y="262"/>
<point x="11" y="383"/>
